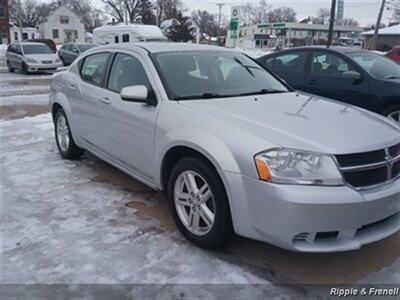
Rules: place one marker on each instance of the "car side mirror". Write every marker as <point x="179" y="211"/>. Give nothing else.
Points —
<point x="138" y="93"/>
<point x="357" y="77"/>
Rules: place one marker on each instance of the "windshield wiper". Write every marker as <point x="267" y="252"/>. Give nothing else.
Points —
<point x="392" y="77"/>
<point x="263" y="92"/>
<point x="202" y="96"/>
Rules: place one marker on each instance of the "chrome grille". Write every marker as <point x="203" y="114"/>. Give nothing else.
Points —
<point x="47" y="61"/>
<point x="367" y="169"/>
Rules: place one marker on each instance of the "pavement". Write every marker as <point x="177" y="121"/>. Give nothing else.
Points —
<point x="85" y="222"/>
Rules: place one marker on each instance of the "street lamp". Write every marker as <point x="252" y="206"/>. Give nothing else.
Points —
<point x="219" y="21"/>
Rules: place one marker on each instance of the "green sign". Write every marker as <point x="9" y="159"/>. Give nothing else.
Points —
<point x="233" y="35"/>
<point x="340" y="10"/>
<point x="234" y="24"/>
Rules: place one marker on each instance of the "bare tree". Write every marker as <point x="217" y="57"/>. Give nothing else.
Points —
<point x="394" y="7"/>
<point x="282" y="14"/>
<point x="348" y="22"/>
<point x="322" y="17"/>
<point x="26" y="14"/>
<point x="207" y="23"/>
<point x="167" y="9"/>
<point x="255" y="13"/>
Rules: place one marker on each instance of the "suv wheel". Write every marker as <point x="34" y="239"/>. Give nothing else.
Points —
<point x="24" y="68"/>
<point x="199" y="204"/>
<point x="393" y="113"/>
<point x="10" y="69"/>
<point x="65" y="143"/>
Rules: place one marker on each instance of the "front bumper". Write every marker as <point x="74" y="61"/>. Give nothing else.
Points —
<point x="42" y="67"/>
<point x="312" y="218"/>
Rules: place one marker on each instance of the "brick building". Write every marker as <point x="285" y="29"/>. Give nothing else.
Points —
<point x="4" y="22"/>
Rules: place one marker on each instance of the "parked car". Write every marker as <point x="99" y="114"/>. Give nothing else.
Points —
<point x="351" y="75"/>
<point x="70" y="51"/>
<point x="394" y="54"/>
<point x="31" y="57"/>
<point x="48" y="42"/>
<point x="233" y="147"/>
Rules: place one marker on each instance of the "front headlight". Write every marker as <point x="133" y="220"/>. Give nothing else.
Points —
<point x="297" y="167"/>
<point x="31" y="60"/>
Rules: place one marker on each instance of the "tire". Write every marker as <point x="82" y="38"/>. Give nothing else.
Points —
<point x="393" y="113"/>
<point x="205" y="236"/>
<point x="10" y="69"/>
<point x="24" y="69"/>
<point x="65" y="143"/>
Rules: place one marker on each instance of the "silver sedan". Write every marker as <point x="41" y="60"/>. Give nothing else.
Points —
<point x="234" y="148"/>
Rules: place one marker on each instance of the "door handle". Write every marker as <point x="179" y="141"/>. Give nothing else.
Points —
<point x="313" y="82"/>
<point x="105" y="100"/>
<point x="71" y="87"/>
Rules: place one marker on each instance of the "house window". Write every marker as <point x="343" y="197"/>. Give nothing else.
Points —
<point x="33" y="35"/>
<point x="64" y="19"/>
<point x="2" y="13"/>
<point x="125" y="38"/>
<point x="76" y="34"/>
<point x="116" y="39"/>
<point x="24" y="36"/>
<point x="16" y="36"/>
<point x="55" y="34"/>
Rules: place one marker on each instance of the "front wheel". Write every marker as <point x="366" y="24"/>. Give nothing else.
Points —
<point x="199" y="204"/>
<point x="10" y="69"/>
<point x="65" y="143"/>
<point x="393" y="113"/>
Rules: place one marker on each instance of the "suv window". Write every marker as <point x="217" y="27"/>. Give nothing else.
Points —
<point x="94" y="67"/>
<point x="126" y="71"/>
<point x="290" y="62"/>
<point x="11" y="48"/>
<point x="329" y="65"/>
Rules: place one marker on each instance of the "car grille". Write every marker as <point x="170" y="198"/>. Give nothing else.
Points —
<point x="372" y="168"/>
<point x="47" y="61"/>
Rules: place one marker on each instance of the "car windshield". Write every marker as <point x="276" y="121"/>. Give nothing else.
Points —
<point x="37" y="49"/>
<point x="377" y="65"/>
<point x="213" y="74"/>
<point x="84" y="47"/>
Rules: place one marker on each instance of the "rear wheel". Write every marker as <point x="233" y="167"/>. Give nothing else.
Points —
<point x="393" y="113"/>
<point x="10" y="69"/>
<point x="65" y="143"/>
<point x="199" y="204"/>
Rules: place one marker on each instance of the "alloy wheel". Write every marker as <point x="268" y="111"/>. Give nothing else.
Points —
<point x="63" y="133"/>
<point x="194" y="202"/>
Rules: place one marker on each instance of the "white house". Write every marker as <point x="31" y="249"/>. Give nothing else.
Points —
<point x="62" y="25"/>
<point x="28" y="33"/>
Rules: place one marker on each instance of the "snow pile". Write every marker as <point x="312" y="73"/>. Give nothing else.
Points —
<point x="3" y="49"/>
<point x="255" y="53"/>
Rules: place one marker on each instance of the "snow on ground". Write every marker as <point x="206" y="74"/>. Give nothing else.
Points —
<point x="39" y="99"/>
<point x="74" y="226"/>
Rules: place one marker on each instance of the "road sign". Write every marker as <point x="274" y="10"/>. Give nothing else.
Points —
<point x="234" y="24"/>
<point x="340" y="10"/>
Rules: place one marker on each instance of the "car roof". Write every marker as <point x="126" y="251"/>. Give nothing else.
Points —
<point x="341" y="49"/>
<point x="157" y="47"/>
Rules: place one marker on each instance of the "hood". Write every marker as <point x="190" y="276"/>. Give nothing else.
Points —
<point x="41" y="57"/>
<point x="303" y="121"/>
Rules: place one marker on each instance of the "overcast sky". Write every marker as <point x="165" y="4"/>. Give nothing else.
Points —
<point x="365" y="11"/>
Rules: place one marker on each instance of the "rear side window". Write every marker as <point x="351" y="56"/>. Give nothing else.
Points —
<point x="290" y="62"/>
<point x="126" y="71"/>
<point x="94" y="68"/>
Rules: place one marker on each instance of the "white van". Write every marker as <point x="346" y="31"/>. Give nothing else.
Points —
<point x="114" y="34"/>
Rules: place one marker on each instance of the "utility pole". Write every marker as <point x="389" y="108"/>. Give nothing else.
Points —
<point x="219" y="22"/>
<point x="377" y="26"/>
<point x="20" y="19"/>
<point x="331" y="23"/>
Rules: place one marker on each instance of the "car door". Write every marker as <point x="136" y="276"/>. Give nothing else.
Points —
<point x="84" y="92"/>
<point x="290" y="66"/>
<point x="11" y="55"/>
<point x="127" y="129"/>
<point x="18" y="57"/>
<point x="333" y="76"/>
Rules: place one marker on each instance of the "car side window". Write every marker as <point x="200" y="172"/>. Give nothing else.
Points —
<point x="94" y="68"/>
<point x="18" y="49"/>
<point x="127" y="71"/>
<point x="290" y="62"/>
<point x="329" y="65"/>
<point x="269" y="63"/>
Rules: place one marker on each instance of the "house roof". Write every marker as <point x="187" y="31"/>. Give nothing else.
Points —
<point x="392" y="30"/>
<point x="42" y="19"/>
